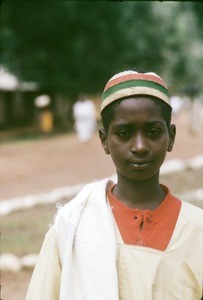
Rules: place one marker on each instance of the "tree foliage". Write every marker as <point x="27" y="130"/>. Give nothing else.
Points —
<point x="75" y="46"/>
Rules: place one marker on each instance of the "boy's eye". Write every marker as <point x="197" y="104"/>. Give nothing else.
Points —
<point x="154" y="132"/>
<point x="124" y="133"/>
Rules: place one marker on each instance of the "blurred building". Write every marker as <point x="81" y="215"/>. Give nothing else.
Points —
<point x="16" y="100"/>
<point x="18" y="106"/>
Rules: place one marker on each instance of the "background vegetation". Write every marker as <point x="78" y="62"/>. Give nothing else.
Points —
<point x="70" y="47"/>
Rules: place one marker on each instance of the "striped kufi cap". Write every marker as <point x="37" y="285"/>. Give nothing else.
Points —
<point x="132" y="83"/>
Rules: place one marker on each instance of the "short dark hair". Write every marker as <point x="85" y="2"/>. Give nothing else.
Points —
<point x="107" y="115"/>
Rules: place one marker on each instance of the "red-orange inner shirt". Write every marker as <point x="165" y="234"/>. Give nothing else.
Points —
<point x="149" y="228"/>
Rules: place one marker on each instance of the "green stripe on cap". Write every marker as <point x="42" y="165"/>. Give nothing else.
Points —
<point x="131" y="83"/>
<point x="133" y="91"/>
<point x="134" y="83"/>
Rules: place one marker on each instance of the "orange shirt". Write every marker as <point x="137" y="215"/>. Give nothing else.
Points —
<point x="149" y="228"/>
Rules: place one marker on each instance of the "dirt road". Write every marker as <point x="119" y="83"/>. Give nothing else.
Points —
<point x="33" y="167"/>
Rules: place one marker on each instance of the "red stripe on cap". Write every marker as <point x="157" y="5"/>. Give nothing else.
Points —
<point x="135" y="77"/>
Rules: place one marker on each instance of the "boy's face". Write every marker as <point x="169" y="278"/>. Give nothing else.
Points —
<point x="138" y="138"/>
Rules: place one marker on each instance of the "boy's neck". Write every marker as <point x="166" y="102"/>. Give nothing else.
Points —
<point x="146" y="194"/>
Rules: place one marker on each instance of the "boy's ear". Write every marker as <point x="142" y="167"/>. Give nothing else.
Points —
<point x="103" y="139"/>
<point x="172" y="134"/>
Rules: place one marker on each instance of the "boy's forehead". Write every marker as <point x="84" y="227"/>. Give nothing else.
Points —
<point x="137" y="101"/>
<point x="138" y="104"/>
<point x="137" y="110"/>
<point x="130" y="84"/>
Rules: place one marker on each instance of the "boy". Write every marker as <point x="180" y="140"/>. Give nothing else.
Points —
<point x="131" y="239"/>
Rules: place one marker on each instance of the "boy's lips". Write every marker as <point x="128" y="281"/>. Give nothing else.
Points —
<point x="139" y="164"/>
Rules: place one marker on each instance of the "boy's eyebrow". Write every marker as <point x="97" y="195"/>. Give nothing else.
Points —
<point x="156" y="122"/>
<point x="122" y="125"/>
<point x="148" y="123"/>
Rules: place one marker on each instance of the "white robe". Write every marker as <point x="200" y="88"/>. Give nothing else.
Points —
<point x="78" y="260"/>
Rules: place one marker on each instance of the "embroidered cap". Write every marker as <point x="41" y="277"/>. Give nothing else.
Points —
<point x="132" y="83"/>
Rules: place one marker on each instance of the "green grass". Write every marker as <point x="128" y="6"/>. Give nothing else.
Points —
<point x="23" y="232"/>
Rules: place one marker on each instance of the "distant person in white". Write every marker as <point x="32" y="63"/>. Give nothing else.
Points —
<point x="177" y="104"/>
<point x="84" y="114"/>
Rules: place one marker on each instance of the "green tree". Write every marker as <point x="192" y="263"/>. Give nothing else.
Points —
<point x="75" y="46"/>
<point x="66" y="46"/>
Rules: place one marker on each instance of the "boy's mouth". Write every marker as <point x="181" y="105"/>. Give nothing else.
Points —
<point x="139" y="164"/>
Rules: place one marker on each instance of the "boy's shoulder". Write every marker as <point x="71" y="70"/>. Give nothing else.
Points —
<point x="97" y="188"/>
<point x="192" y="212"/>
<point x="192" y="208"/>
<point x="68" y="217"/>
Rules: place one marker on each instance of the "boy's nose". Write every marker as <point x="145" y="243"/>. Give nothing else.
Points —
<point x="139" y="144"/>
